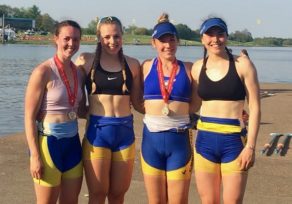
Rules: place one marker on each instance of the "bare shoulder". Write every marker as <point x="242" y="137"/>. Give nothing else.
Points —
<point x="241" y="58"/>
<point x="147" y="63"/>
<point x="243" y="63"/>
<point x="188" y="65"/>
<point x="197" y="66"/>
<point x="134" y="65"/>
<point x="85" y="61"/>
<point x="198" y="63"/>
<point x="132" y="62"/>
<point x="40" y="74"/>
<point x="42" y="70"/>
<point x="84" y="57"/>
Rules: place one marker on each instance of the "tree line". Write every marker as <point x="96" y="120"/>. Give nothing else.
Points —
<point x="46" y="23"/>
<point x="43" y="21"/>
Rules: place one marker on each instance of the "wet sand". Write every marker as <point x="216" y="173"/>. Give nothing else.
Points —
<point x="270" y="180"/>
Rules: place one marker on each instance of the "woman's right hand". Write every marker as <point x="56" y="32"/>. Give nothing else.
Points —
<point x="36" y="167"/>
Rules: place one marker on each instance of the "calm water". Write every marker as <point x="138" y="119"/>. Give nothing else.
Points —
<point x="17" y="62"/>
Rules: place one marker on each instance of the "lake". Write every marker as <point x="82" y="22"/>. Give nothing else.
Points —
<point x="17" y="61"/>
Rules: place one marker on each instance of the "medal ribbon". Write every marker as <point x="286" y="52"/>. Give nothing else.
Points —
<point x="165" y="92"/>
<point x="60" y="66"/>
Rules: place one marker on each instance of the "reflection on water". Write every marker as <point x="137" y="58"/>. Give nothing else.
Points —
<point x="17" y="62"/>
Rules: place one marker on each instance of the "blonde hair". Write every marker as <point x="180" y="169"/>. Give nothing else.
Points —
<point x="164" y="17"/>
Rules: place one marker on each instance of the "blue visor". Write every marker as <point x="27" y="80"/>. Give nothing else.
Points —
<point x="213" y="22"/>
<point x="164" y="28"/>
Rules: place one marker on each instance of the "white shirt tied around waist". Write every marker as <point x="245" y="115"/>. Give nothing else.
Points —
<point x="163" y="123"/>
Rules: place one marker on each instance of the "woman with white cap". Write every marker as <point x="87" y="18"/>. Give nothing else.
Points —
<point x="166" y="151"/>
<point x="223" y="155"/>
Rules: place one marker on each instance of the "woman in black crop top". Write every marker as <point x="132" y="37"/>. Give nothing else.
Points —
<point x="113" y="85"/>
<point x="223" y="82"/>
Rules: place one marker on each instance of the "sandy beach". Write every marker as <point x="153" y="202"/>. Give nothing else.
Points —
<point x="270" y="180"/>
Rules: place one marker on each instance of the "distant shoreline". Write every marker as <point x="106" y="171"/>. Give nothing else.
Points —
<point x="127" y="40"/>
<point x="190" y="43"/>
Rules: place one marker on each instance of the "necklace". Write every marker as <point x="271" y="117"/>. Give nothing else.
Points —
<point x="71" y="94"/>
<point x="165" y="91"/>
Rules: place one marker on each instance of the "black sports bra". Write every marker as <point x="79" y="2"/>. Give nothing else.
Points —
<point x="110" y="83"/>
<point x="229" y="88"/>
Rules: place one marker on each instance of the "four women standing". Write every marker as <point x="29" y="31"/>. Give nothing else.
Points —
<point x="173" y="89"/>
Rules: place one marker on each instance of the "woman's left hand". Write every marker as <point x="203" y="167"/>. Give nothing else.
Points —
<point x="246" y="158"/>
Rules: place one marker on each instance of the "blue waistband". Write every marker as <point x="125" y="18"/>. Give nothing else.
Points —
<point x="59" y="130"/>
<point x="105" y="120"/>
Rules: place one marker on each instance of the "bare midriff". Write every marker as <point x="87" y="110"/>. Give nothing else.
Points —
<point x="154" y="107"/>
<point x="222" y="109"/>
<point x="109" y="105"/>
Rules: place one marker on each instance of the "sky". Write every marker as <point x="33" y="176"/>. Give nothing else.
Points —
<point x="263" y="18"/>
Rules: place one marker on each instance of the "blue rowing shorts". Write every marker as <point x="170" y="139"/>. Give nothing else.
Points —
<point x="167" y="153"/>
<point x="110" y="138"/>
<point x="219" y="143"/>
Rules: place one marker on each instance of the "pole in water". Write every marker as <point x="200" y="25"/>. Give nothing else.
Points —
<point x="3" y="29"/>
<point x="268" y="145"/>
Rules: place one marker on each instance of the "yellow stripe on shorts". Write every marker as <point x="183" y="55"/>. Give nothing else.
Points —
<point x="219" y="128"/>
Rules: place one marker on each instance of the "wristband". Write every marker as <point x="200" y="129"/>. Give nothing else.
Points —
<point x="193" y="120"/>
<point x="250" y="147"/>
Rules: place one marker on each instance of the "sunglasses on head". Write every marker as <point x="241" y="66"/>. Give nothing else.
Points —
<point x="109" y="19"/>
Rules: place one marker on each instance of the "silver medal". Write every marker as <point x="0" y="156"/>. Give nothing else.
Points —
<point x="72" y="115"/>
<point x="165" y="110"/>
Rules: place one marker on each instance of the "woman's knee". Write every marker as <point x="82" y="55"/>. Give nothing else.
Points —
<point x="117" y="195"/>
<point x="97" y="196"/>
<point x="98" y="192"/>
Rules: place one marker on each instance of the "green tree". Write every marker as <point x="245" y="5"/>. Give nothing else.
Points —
<point x="130" y="30"/>
<point x="241" y="36"/>
<point x="186" y="33"/>
<point x="287" y="42"/>
<point x="141" y="31"/>
<point x="269" y="41"/>
<point x="45" y="22"/>
<point x="33" y="12"/>
<point x="91" y="27"/>
<point x="21" y="13"/>
<point x="6" y="10"/>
